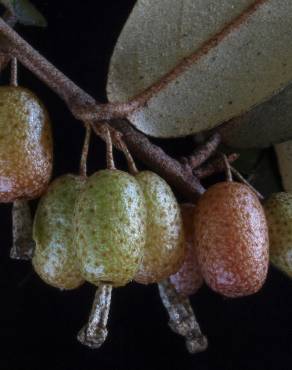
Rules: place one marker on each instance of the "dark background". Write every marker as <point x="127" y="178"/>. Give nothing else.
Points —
<point x="38" y="324"/>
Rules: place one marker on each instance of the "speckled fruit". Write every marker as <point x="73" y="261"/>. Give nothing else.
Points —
<point x="232" y="239"/>
<point x="188" y="279"/>
<point x="110" y="224"/>
<point x="55" y="258"/>
<point x="279" y="216"/>
<point x="25" y="145"/>
<point x="164" y="249"/>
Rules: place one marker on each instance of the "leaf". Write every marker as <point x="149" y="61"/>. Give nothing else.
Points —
<point x="26" y="12"/>
<point x="264" y="125"/>
<point x="241" y="53"/>
<point x="284" y="157"/>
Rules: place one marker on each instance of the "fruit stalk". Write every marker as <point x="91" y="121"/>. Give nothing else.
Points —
<point x="94" y="333"/>
<point x="84" y="154"/>
<point x="227" y="168"/>
<point x="23" y="244"/>
<point x="130" y="160"/>
<point x="182" y="318"/>
<point x="110" y="163"/>
<point x="13" y="72"/>
<point x="244" y="181"/>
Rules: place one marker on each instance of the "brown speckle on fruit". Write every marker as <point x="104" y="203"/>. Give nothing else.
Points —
<point x="55" y="256"/>
<point x="232" y="239"/>
<point x="110" y="240"/>
<point x="165" y="248"/>
<point x="25" y="145"/>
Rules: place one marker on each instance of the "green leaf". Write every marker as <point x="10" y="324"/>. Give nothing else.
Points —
<point x="229" y="75"/>
<point x="26" y="12"/>
<point x="264" y="125"/>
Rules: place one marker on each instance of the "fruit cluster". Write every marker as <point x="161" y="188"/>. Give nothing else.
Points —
<point x="114" y="227"/>
<point x="123" y="228"/>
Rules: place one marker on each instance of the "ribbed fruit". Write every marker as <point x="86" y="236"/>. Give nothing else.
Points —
<point x="55" y="258"/>
<point x="279" y="216"/>
<point x="232" y="239"/>
<point x="164" y="249"/>
<point x="25" y="145"/>
<point x="188" y="280"/>
<point x="110" y="226"/>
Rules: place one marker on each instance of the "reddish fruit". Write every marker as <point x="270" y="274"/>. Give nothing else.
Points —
<point x="188" y="279"/>
<point x="232" y="239"/>
<point x="25" y="145"/>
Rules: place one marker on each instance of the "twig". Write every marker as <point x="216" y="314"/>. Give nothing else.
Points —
<point x="94" y="333"/>
<point x="23" y="244"/>
<point x="11" y="20"/>
<point x="122" y="110"/>
<point x="79" y="102"/>
<point x="242" y="179"/>
<point x="203" y="152"/>
<point x="214" y="166"/>
<point x="182" y="318"/>
<point x="84" y="154"/>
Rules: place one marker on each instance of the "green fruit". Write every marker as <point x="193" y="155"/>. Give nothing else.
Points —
<point x="110" y="224"/>
<point x="279" y="216"/>
<point x="55" y="259"/>
<point x="25" y="145"/>
<point x="165" y="248"/>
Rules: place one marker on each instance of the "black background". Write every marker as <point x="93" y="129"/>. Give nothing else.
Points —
<point x="38" y="324"/>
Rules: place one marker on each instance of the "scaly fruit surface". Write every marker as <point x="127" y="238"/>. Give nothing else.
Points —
<point x="55" y="256"/>
<point x="164" y="249"/>
<point x="110" y="227"/>
<point x="25" y="145"/>
<point x="279" y="216"/>
<point x="231" y="236"/>
<point x="188" y="279"/>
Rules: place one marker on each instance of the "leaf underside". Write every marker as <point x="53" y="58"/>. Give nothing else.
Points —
<point x="241" y="56"/>
<point x="264" y="125"/>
